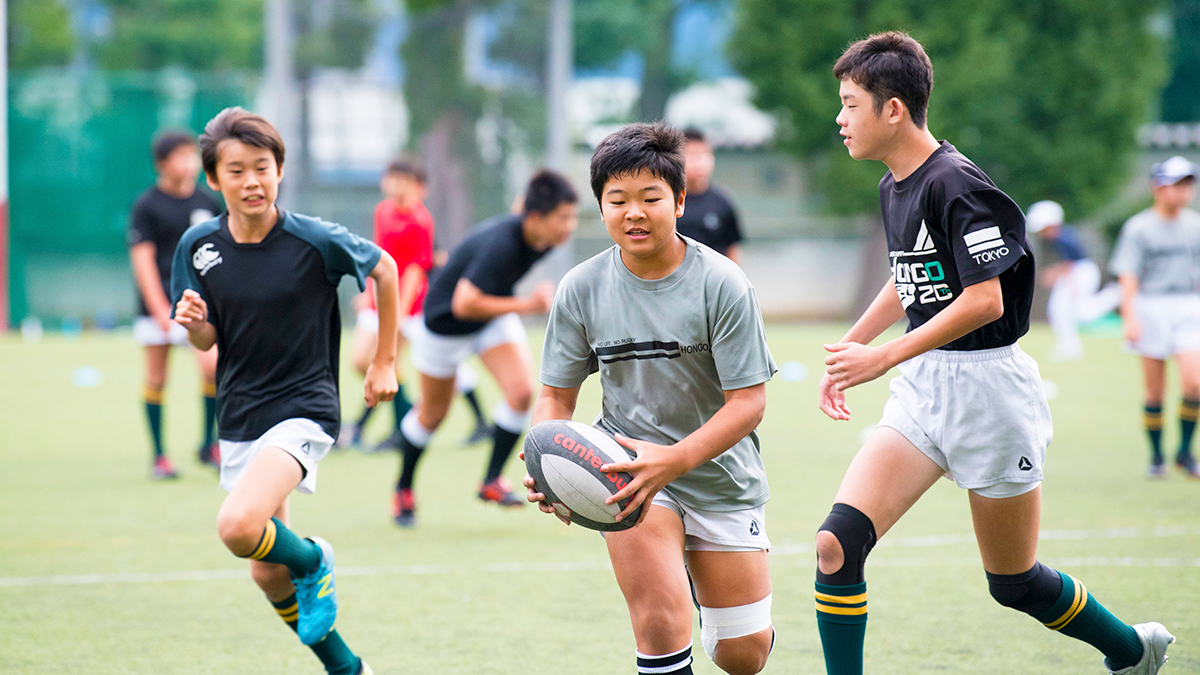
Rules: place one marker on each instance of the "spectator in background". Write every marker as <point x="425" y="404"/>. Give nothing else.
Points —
<point x="1074" y="280"/>
<point x="159" y="217"/>
<point x="708" y="215"/>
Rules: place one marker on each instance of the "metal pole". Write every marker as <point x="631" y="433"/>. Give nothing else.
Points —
<point x="559" y="64"/>
<point x="280" y="99"/>
<point x="4" y="270"/>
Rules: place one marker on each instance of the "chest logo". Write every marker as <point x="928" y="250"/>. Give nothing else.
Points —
<point x="205" y="258"/>
<point x="711" y="220"/>
<point x="924" y="241"/>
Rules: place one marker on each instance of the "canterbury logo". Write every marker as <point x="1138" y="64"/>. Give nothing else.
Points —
<point x="205" y="258"/>
<point x="326" y="586"/>
<point x="924" y="241"/>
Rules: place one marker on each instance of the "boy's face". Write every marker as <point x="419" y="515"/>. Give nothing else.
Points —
<point x="247" y="176"/>
<point x="552" y="229"/>
<point x="639" y="212"/>
<point x="1177" y="196"/>
<point x="866" y="133"/>
<point x="402" y="187"/>
<point x="698" y="162"/>
<point x="182" y="165"/>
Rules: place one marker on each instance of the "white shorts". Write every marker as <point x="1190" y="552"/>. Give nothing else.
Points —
<point x="980" y="415"/>
<point x="368" y="320"/>
<point x="1170" y="325"/>
<point x="299" y="437"/>
<point x="439" y="355"/>
<point x="717" y="530"/>
<point x="147" y="333"/>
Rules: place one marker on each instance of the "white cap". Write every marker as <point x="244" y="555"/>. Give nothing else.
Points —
<point x="1173" y="170"/>
<point x="1042" y="215"/>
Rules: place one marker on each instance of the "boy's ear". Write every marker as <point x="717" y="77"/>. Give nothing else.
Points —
<point x="679" y="203"/>
<point x="212" y="182"/>
<point x="894" y="110"/>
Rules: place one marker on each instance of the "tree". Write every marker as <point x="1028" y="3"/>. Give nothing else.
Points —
<point x="1045" y="95"/>
<point x="39" y="34"/>
<point x="200" y="35"/>
<point x="1181" y="98"/>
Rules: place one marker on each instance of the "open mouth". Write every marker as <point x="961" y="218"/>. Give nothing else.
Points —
<point x="637" y="233"/>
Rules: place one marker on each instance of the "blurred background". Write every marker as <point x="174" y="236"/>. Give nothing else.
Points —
<point x="1069" y="100"/>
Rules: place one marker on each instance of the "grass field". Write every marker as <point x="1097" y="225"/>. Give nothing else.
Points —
<point x="105" y="571"/>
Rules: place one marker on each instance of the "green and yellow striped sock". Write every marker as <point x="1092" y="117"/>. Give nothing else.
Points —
<point x="281" y="546"/>
<point x="332" y="651"/>
<point x="842" y="623"/>
<point x="1153" y="418"/>
<point x="1077" y="614"/>
<point x="209" y="390"/>
<point x="1189" y="412"/>
<point x="153" y="398"/>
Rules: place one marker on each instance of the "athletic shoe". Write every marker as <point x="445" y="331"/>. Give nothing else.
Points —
<point x="1156" y="471"/>
<point x="364" y="669"/>
<point x="404" y="508"/>
<point x="211" y="455"/>
<point x="316" y="596"/>
<point x="1155" y="639"/>
<point x="1187" y="464"/>
<point x="388" y="444"/>
<point x="163" y="469"/>
<point x="500" y="491"/>
<point x="483" y="432"/>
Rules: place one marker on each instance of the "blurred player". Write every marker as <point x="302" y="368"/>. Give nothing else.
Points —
<point x="1074" y="280"/>
<point x="262" y="285"/>
<point x="968" y="402"/>
<point x="160" y="216"/>
<point x="1157" y="261"/>
<point x="677" y="336"/>
<point x="710" y="217"/>
<point x="471" y="310"/>
<point x="403" y="228"/>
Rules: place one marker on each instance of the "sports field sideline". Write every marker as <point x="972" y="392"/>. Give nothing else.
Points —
<point x="104" y="571"/>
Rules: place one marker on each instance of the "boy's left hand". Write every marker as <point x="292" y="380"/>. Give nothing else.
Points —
<point x="380" y="385"/>
<point x="654" y="467"/>
<point x="850" y="364"/>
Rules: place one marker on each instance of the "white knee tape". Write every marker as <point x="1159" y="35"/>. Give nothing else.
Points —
<point x="411" y="427"/>
<point x="723" y="623"/>
<point x="465" y="378"/>
<point x="508" y="419"/>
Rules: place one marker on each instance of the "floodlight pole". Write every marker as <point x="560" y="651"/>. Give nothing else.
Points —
<point x="280" y="97"/>
<point x="4" y="229"/>
<point x="559" y="64"/>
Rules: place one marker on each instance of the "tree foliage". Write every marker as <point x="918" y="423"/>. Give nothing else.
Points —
<point x="1181" y="98"/>
<point x="39" y="34"/>
<point x="1045" y="95"/>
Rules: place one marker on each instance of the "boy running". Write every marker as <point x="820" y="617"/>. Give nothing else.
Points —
<point x="404" y="229"/>
<point x="1157" y="261"/>
<point x="675" y="331"/>
<point x="262" y="284"/>
<point x="160" y="216"/>
<point x="968" y="402"/>
<point x="471" y="310"/>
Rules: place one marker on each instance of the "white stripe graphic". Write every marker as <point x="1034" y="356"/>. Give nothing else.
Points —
<point x="995" y="243"/>
<point x="977" y="236"/>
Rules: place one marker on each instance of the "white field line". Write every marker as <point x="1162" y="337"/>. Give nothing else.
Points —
<point x="526" y="567"/>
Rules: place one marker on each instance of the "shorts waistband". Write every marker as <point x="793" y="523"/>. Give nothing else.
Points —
<point x="974" y="355"/>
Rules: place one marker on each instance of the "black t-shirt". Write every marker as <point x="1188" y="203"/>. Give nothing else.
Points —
<point x="948" y="226"/>
<point x="494" y="257"/>
<point x="710" y="219"/>
<point x="160" y="219"/>
<point x="275" y="307"/>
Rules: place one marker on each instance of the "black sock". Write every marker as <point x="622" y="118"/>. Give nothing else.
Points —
<point x="1189" y="410"/>
<point x="1153" y="419"/>
<point x="153" y="399"/>
<point x="473" y="400"/>
<point x="366" y="415"/>
<point x="503" y="442"/>
<point x="401" y="405"/>
<point x="410" y="454"/>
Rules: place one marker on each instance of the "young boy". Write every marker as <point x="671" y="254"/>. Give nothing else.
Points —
<point x="675" y="331"/>
<point x="1157" y="261"/>
<point x="968" y="401"/>
<point x="262" y="285"/>
<point x="471" y="310"/>
<point x="160" y="216"/>
<point x="404" y="229"/>
<point x="710" y="217"/>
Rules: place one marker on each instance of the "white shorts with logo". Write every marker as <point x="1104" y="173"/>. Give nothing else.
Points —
<point x="299" y="437"/>
<point x="744" y="530"/>
<point x="147" y="333"/>
<point x="439" y="355"/>
<point x="980" y="415"/>
<point x="1170" y="325"/>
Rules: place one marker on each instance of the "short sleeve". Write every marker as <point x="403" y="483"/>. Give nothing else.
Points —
<point x="567" y="356"/>
<point x="344" y="253"/>
<point x="1127" y="256"/>
<point x="141" y="225"/>
<point x="986" y="231"/>
<point x="739" y="344"/>
<point x="733" y="226"/>
<point x="183" y="277"/>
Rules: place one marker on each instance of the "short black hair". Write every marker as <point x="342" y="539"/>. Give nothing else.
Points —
<point x="240" y="125"/>
<point x="657" y="148"/>
<point x="890" y="65"/>
<point x="694" y="134"/>
<point x="169" y="141"/>
<point x="546" y="190"/>
<point x="409" y="166"/>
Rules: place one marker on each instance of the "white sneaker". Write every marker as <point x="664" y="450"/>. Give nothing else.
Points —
<point x="366" y="670"/>
<point x="1155" y="639"/>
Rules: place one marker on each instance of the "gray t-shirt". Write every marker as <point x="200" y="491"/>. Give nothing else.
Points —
<point x="666" y="350"/>
<point x="1163" y="255"/>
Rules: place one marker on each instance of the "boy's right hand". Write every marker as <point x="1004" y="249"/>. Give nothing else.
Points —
<point x="535" y="497"/>
<point x="191" y="312"/>
<point x="831" y="400"/>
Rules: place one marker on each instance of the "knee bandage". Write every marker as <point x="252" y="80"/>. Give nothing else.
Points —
<point x="465" y="378"/>
<point x="1032" y="592"/>
<point x="723" y="623"/>
<point x="510" y="420"/>
<point x="856" y="533"/>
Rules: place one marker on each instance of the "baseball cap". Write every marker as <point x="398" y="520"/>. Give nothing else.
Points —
<point x="1042" y="215"/>
<point x="1172" y="171"/>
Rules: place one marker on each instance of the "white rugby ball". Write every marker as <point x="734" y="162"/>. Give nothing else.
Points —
<point x="564" y="459"/>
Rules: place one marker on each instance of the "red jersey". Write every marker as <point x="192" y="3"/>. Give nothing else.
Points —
<point x="407" y="236"/>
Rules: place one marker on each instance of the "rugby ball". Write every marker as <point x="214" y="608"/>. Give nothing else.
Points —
<point x="564" y="459"/>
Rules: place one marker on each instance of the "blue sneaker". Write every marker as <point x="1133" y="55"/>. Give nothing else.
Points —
<point x="317" y="597"/>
